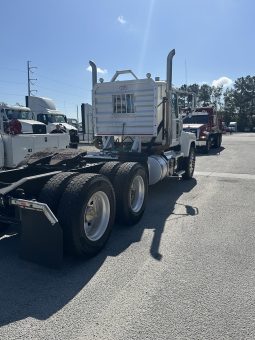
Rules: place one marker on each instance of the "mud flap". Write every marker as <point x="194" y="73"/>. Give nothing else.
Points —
<point x="41" y="241"/>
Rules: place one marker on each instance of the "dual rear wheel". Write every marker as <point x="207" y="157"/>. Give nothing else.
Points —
<point x="86" y="204"/>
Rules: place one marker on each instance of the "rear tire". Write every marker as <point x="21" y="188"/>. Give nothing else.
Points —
<point x="52" y="191"/>
<point x="131" y="187"/>
<point x="220" y="140"/>
<point x="189" y="164"/>
<point x="86" y="213"/>
<point x="109" y="169"/>
<point x="217" y="141"/>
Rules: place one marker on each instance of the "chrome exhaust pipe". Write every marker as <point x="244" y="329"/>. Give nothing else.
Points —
<point x="169" y="67"/>
<point x="94" y="73"/>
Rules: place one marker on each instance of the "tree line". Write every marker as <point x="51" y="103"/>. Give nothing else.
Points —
<point x="233" y="104"/>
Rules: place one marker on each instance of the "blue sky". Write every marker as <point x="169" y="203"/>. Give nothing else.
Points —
<point x="215" y="37"/>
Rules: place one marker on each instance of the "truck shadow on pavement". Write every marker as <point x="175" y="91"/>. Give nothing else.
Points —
<point x="30" y="290"/>
<point x="212" y="152"/>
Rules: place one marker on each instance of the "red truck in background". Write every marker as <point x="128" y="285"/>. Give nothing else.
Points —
<point x="206" y="125"/>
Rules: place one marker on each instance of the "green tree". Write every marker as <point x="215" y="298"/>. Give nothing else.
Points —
<point x="244" y="94"/>
<point x="204" y="95"/>
<point x="186" y="100"/>
<point x="216" y="96"/>
<point x="229" y="110"/>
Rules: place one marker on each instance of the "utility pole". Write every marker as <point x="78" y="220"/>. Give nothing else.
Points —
<point x="29" y="79"/>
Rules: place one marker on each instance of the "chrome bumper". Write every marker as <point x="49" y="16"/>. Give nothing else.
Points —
<point x="201" y="143"/>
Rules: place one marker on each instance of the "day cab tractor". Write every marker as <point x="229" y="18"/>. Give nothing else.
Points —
<point x="69" y="200"/>
<point x="205" y="123"/>
<point x="21" y="136"/>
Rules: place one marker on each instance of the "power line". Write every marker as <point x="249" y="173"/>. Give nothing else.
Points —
<point x="41" y="76"/>
<point x="65" y="93"/>
<point x="12" y="69"/>
<point x="65" y="84"/>
<point x="12" y="82"/>
<point x="12" y="94"/>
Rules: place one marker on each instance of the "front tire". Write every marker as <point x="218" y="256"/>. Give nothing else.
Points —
<point x="86" y="213"/>
<point x="131" y="187"/>
<point x="220" y="140"/>
<point x="208" y="146"/>
<point x="189" y="164"/>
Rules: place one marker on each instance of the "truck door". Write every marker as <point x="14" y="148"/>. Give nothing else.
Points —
<point x="176" y="123"/>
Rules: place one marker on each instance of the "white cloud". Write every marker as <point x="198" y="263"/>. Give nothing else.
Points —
<point x="121" y="20"/>
<point x="99" y="70"/>
<point x="222" y="81"/>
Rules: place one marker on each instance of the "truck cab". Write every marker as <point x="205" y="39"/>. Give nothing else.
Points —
<point x="21" y="136"/>
<point x="233" y="126"/>
<point x="24" y="116"/>
<point x="44" y="111"/>
<point x="206" y="125"/>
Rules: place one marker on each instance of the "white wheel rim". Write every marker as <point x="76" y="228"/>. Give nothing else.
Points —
<point x="96" y="216"/>
<point x="136" y="193"/>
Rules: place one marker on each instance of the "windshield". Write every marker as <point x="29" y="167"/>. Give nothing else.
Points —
<point x="56" y="118"/>
<point x="15" y="114"/>
<point x="203" y="119"/>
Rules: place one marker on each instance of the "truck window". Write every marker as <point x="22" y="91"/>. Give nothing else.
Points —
<point x="55" y="118"/>
<point x="123" y="103"/>
<point x="201" y="119"/>
<point x="42" y="118"/>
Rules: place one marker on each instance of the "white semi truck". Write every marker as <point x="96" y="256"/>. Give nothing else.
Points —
<point x="71" y="199"/>
<point x="20" y="136"/>
<point x="24" y="116"/>
<point x="44" y="110"/>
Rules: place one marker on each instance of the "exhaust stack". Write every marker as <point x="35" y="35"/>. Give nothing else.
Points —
<point x="169" y="69"/>
<point x="94" y="73"/>
<point x="169" y="95"/>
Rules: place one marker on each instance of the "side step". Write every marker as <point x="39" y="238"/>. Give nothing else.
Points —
<point x="179" y="173"/>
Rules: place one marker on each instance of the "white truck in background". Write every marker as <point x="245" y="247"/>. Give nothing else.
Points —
<point x="233" y="126"/>
<point x="21" y="136"/>
<point x="24" y="116"/>
<point x="44" y="110"/>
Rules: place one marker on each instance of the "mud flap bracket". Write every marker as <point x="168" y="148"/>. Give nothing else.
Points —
<point x="41" y="235"/>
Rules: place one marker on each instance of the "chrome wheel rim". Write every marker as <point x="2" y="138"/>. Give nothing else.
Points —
<point x="96" y="216"/>
<point x="192" y="162"/>
<point x="137" y="193"/>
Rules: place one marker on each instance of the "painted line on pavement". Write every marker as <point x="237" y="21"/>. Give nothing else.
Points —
<point x="225" y="175"/>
